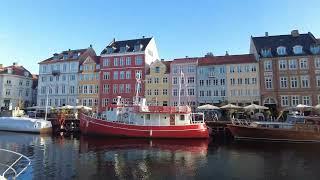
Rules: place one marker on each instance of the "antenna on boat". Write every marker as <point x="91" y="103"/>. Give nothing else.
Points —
<point x="138" y="84"/>
<point x="180" y="80"/>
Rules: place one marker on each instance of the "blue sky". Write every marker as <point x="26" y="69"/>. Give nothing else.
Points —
<point x="31" y="31"/>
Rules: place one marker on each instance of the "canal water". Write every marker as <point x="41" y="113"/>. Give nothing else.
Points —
<point x="81" y="157"/>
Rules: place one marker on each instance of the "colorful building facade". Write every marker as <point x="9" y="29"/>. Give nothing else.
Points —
<point x="289" y="69"/>
<point x="157" y="88"/>
<point x="15" y="87"/>
<point x="183" y="78"/>
<point x="58" y="77"/>
<point x="89" y="75"/>
<point x="122" y="62"/>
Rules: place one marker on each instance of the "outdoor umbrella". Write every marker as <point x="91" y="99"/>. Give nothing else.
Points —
<point x="66" y="107"/>
<point x="208" y="107"/>
<point x="317" y="106"/>
<point x="84" y="107"/>
<point x="302" y="106"/>
<point x="255" y="107"/>
<point x="230" y="106"/>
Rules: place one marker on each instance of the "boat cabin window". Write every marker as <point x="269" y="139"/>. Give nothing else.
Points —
<point x="147" y="116"/>
<point x="182" y="118"/>
<point x="276" y="126"/>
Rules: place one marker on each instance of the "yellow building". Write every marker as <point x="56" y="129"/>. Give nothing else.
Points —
<point x="157" y="87"/>
<point x="89" y="82"/>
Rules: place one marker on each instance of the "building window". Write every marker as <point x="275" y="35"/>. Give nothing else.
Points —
<point x="318" y="81"/>
<point x="121" y="61"/>
<point x="165" y="80"/>
<point x="239" y="81"/>
<point x="115" y="61"/>
<point x="149" y="80"/>
<point x="303" y="63"/>
<point x="191" y="69"/>
<point x="128" y="74"/>
<point x="157" y="69"/>
<point x="208" y="82"/>
<point x="268" y="82"/>
<point x="121" y="74"/>
<point x="282" y="64"/>
<point x="267" y="65"/>
<point x="191" y="92"/>
<point x="297" y="49"/>
<point x="106" y="75"/>
<point x="175" y="80"/>
<point x="294" y="100"/>
<point x="253" y="80"/>
<point x="232" y="81"/>
<point x="306" y="100"/>
<point x="138" y="60"/>
<point x="165" y="92"/>
<point x="149" y="92"/>
<point x="294" y="82"/>
<point x="283" y="82"/>
<point x="156" y="80"/>
<point x="175" y="92"/>
<point x="284" y="101"/>
<point x="115" y="88"/>
<point x="201" y="93"/>
<point x="106" y="62"/>
<point x="106" y="88"/>
<point x="128" y="88"/>
<point x="121" y="88"/>
<point x="293" y="64"/>
<point x="156" y="92"/>
<point x="305" y="82"/>
<point x="223" y="92"/>
<point x="115" y="75"/>
<point x="190" y="80"/>
<point x="239" y="68"/>
<point x="281" y="50"/>
<point x="128" y="61"/>
<point x="317" y="63"/>
<point x="208" y="93"/>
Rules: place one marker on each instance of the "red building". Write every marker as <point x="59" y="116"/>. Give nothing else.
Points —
<point x="121" y="62"/>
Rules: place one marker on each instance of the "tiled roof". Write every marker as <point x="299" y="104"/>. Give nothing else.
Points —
<point x="288" y="41"/>
<point x="70" y="55"/>
<point x="116" y="45"/>
<point x="95" y="58"/>
<point x="166" y="63"/>
<point x="16" y="70"/>
<point x="185" y="60"/>
<point x="228" y="59"/>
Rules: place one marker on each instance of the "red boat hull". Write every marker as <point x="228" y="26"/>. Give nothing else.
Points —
<point x="89" y="125"/>
<point x="272" y="134"/>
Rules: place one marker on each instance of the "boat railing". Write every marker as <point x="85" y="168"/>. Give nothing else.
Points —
<point x="242" y="122"/>
<point x="14" y="167"/>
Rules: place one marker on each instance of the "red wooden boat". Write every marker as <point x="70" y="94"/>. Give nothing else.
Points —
<point x="146" y="122"/>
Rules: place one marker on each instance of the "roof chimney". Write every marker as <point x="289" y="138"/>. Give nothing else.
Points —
<point x="162" y="59"/>
<point x="142" y="37"/>
<point x="266" y="34"/>
<point x="295" y="33"/>
<point x="227" y="54"/>
<point x="114" y="40"/>
<point x="187" y="56"/>
<point x="90" y="45"/>
<point x="15" y="64"/>
<point x="69" y="49"/>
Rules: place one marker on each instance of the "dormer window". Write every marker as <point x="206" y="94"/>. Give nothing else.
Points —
<point x="297" y="49"/>
<point x="109" y="50"/>
<point x="137" y="47"/>
<point x="65" y="56"/>
<point x="266" y="52"/>
<point x="123" y="49"/>
<point x="75" y="55"/>
<point x="315" y="49"/>
<point x="281" y="51"/>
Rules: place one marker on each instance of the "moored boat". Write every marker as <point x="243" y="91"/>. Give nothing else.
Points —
<point x="25" y="124"/>
<point x="305" y="129"/>
<point x="146" y="122"/>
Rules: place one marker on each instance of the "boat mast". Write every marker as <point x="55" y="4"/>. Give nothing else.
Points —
<point x="180" y="80"/>
<point x="138" y="79"/>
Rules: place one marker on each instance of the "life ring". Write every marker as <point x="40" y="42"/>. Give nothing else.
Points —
<point x="125" y="115"/>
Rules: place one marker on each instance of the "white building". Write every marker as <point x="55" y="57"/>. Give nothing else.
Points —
<point x="58" y="77"/>
<point x="15" y="87"/>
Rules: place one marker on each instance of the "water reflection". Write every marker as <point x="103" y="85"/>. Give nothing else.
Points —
<point x="138" y="158"/>
<point x="81" y="157"/>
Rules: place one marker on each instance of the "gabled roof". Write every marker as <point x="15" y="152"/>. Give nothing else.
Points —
<point x="96" y="59"/>
<point x="288" y="41"/>
<point x="228" y="59"/>
<point x="166" y="63"/>
<point x="116" y="45"/>
<point x="16" y="70"/>
<point x="70" y="55"/>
